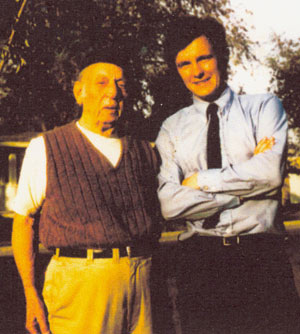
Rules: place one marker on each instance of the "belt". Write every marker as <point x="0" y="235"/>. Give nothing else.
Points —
<point x="235" y="241"/>
<point x="103" y="253"/>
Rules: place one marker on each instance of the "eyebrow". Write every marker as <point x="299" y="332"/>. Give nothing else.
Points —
<point x="187" y="62"/>
<point x="209" y="56"/>
<point x="105" y="77"/>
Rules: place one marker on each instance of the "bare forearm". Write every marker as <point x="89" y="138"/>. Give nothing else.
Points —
<point x="24" y="254"/>
<point x="23" y="249"/>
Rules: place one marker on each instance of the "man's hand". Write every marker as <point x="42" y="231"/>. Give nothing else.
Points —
<point x="264" y="145"/>
<point x="36" y="320"/>
<point x="191" y="181"/>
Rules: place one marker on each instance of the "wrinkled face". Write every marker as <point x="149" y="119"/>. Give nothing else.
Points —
<point x="101" y="92"/>
<point x="197" y="65"/>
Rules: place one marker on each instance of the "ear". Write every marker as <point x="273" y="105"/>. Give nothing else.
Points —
<point x="79" y="92"/>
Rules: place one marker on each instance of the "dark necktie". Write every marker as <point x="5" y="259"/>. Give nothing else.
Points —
<point x="214" y="159"/>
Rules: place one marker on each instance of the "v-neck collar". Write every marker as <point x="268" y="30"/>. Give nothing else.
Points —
<point x="124" y="146"/>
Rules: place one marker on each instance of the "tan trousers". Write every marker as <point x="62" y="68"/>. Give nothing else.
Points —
<point x="98" y="296"/>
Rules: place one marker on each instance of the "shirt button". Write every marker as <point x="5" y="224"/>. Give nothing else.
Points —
<point x="205" y="188"/>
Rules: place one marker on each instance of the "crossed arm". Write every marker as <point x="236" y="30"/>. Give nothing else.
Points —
<point x="207" y="192"/>
<point x="264" y="145"/>
<point x="185" y="199"/>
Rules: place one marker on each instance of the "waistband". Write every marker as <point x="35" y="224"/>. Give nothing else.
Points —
<point x="235" y="241"/>
<point x="104" y="253"/>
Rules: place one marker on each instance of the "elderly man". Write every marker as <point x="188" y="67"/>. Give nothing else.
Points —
<point x="222" y="168"/>
<point x="95" y="191"/>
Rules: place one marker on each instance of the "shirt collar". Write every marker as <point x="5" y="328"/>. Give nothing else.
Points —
<point x="225" y="99"/>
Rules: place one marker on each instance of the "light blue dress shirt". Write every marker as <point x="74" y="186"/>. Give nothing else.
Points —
<point x="246" y="190"/>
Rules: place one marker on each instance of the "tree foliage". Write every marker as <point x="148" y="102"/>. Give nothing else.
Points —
<point x="54" y="40"/>
<point x="285" y="64"/>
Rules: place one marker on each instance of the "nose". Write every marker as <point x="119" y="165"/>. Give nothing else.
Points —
<point x="198" y="71"/>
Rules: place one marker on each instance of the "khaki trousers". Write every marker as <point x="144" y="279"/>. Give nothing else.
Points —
<point x="98" y="296"/>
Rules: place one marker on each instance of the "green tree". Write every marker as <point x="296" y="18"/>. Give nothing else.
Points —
<point x="285" y="64"/>
<point x="55" y="39"/>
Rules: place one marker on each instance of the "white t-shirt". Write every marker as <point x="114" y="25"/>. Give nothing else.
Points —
<point x="33" y="177"/>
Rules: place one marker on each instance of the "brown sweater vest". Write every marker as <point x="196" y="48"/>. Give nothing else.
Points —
<point x="89" y="203"/>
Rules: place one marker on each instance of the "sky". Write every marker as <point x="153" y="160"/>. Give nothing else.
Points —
<point x="269" y="16"/>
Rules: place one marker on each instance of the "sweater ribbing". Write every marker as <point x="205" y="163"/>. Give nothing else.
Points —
<point x="89" y="203"/>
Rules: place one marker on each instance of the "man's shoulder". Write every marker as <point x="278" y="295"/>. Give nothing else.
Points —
<point x="145" y="149"/>
<point x="36" y="143"/>
<point x="177" y="117"/>
<point x="256" y="103"/>
<point x="256" y="98"/>
<point x="60" y="129"/>
<point x="134" y="140"/>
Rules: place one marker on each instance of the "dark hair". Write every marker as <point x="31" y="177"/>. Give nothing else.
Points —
<point x="115" y="56"/>
<point x="183" y="30"/>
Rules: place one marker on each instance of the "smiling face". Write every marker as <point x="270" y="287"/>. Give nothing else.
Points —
<point x="101" y="92"/>
<point x="197" y="65"/>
